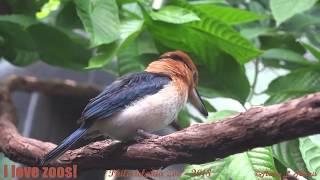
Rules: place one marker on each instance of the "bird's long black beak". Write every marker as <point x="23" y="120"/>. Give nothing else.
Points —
<point x="197" y="102"/>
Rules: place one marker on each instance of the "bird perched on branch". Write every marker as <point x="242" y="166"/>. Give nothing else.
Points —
<point x="139" y="103"/>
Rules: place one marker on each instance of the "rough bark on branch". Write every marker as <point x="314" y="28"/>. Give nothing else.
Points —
<point x="259" y="126"/>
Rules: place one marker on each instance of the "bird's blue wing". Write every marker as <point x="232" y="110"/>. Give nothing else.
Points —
<point x="122" y="93"/>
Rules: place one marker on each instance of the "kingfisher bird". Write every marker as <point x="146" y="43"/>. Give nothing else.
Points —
<point x="140" y="103"/>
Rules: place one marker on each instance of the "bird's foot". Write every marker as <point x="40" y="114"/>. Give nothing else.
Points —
<point x="144" y="134"/>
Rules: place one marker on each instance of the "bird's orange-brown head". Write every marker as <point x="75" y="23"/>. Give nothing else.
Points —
<point x="180" y="67"/>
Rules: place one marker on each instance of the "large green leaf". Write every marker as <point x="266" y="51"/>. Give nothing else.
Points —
<point x="232" y="83"/>
<point x="315" y="139"/>
<point x="174" y="14"/>
<point x="29" y="7"/>
<point x="227" y="39"/>
<point x="18" y="46"/>
<point x="253" y="32"/>
<point x="211" y="62"/>
<point x="286" y="95"/>
<point x="100" y="18"/>
<point x="67" y="16"/>
<point x="288" y="153"/>
<point x="208" y="29"/>
<point x="281" y="41"/>
<point x="285" y="51"/>
<point x="22" y="20"/>
<point x="129" y="29"/>
<point x="300" y="22"/>
<point x="129" y="59"/>
<point x="314" y="51"/>
<point x="208" y="106"/>
<point x="47" y="8"/>
<point x="184" y="119"/>
<point x="103" y="55"/>
<point x="208" y="2"/>
<point x="253" y="164"/>
<point x="303" y="80"/>
<point x="289" y="56"/>
<point x="56" y="48"/>
<point x="284" y="9"/>
<point x="228" y="15"/>
<point x="311" y="156"/>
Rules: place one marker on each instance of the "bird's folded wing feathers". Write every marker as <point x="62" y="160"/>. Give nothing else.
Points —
<point x="122" y="93"/>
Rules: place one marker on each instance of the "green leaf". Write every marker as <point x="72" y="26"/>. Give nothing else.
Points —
<point x="29" y="8"/>
<point x="184" y="119"/>
<point x="228" y="15"/>
<point x="22" y="20"/>
<point x="284" y="9"/>
<point x="251" y="165"/>
<point x="211" y="62"/>
<point x="282" y="41"/>
<point x="56" y="48"/>
<point x="288" y="153"/>
<point x="315" y="139"/>
<point x="300" y="22"/>
<point x="146" y="44"/>
<point x="227" y="39"/>
<point x="220" y="115"/>
<point x="303" y="80"/>
<point x="129" y="30"/>
<point x="284" y="96"/>
<point x="104" y="55"/>
<point x="208" y="106"/>
<point x="67" y="16"/>
<point x="287" y="55"/>
<point x="17" y="47"/>
<point x="216" y="170"/>
<point x="208" y="2"/>
<point x="195" y="37"/>
<point x="312" y="50"/>
<point x="174" y="14"/>
<point x="47" y="8"/>
<point x="311" y="156"/>
<point x="232" y="83"/>
<point x="253" y="32"/>
<point x="129" y="59"/>
<point x="100" y="19"/>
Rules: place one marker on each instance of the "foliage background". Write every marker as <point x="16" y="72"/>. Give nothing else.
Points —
<point x="248" y="53"/>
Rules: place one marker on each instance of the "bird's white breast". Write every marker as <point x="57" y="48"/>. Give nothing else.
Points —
<point x="150" y="113"/>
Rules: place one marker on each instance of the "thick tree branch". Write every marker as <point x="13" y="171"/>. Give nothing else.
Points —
<point x="50" y="87"/>
<point x="259" y="126"/>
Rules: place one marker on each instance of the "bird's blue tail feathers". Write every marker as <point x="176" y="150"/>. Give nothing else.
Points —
<point x="64" y="146"/>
